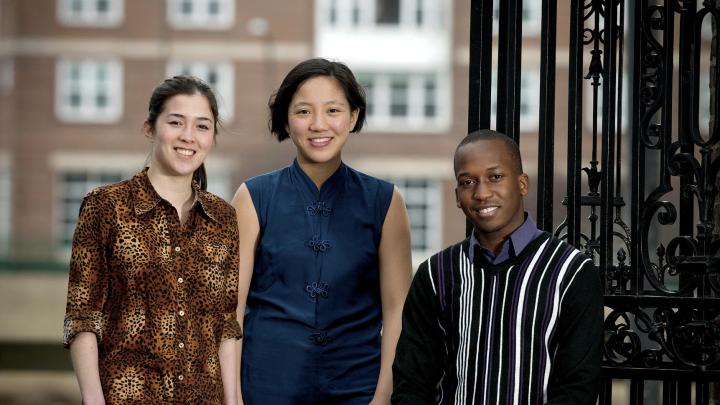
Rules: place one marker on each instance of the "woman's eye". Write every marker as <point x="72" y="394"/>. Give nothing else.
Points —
<point x="204" y="127"/>
<point x="175" y="123"/>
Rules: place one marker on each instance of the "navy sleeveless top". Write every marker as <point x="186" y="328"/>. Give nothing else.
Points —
<point x="313" y="313"/>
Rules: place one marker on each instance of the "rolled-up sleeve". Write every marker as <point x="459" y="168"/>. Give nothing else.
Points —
<point x="231" y="327"/>
<point x="88" y="283"/>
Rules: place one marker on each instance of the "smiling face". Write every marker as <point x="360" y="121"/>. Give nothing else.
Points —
<point x="490" y="190"/>
<point x="320" y="120"/>
<point x="182" y="135"/>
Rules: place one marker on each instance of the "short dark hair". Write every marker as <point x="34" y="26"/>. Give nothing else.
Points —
<point x="183" y="85"/>
<point x="490" y="135"/>
<point x="280" y="100"/>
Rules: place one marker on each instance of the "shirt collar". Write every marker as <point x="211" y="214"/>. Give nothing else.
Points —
<point x="512" y="246"/>
<point x="146" y="198"/>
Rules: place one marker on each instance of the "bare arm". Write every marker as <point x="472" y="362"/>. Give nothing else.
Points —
<point x="84" y="354"/>
<point x="249" y="228"/>
<point x="228" y="370"/>
<point x="395" y="275"/>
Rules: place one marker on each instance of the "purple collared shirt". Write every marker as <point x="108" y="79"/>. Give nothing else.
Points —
<point x="512" y="246"/>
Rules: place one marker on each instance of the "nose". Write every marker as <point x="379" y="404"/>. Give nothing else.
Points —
<point x="187" y="134"/>
<point x="318" y="123"/>
<point x="481" y="191"/>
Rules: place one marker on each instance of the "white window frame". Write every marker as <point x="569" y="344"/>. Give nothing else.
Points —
<point x="201" y="20"/>
<point x="529" y="95"/>
<point x="380" y="97"/>
<point x="89" y="15"/>
<point x="344" y="9"/>
<point x="224" y="89"/>
<point x="430" y="198"/>
<point x="70" y="196"/>
<point x="87" y="86"/>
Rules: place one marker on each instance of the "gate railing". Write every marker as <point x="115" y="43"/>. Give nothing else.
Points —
<point x="638" y="68"/>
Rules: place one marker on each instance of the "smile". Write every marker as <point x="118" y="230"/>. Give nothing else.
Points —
<point x="488" y="211"/>
<point x="320" y="141"/>
<point x="185" y="152"/>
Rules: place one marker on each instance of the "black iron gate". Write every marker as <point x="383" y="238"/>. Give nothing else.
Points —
<point x="641" y="172"/>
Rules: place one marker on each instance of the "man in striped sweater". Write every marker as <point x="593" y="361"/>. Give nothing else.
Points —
<point x="510" y="315"/>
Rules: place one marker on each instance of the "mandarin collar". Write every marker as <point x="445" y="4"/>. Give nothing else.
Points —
<point x="146" y="198"/>
<point x="328" y="188"/>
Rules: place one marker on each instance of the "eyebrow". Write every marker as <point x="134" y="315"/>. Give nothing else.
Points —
<point x="182" y="116"/>
<point x="299" y="103"/>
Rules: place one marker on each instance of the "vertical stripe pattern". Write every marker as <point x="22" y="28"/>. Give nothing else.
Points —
<point x="502" y="320"/>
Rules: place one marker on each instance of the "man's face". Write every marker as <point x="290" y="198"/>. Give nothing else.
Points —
<point x="490" y="188"/>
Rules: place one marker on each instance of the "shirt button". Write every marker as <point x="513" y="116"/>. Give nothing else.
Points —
<point x="181" y="313"/>
<point x="181" y="345"/>
<point x="177" y="248"/>
<point x="180" y="280"/>
<point x="180" y="377"/>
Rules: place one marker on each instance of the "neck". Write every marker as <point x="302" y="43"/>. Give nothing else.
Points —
<point x="319" y="172"/>
<point x="177" y="190"/>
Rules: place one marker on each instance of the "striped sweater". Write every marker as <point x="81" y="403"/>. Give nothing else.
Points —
<point x="524" y="331"/>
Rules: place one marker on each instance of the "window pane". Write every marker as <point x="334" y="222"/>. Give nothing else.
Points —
<point x="186" y="7"/>
<point x="387" y="11"/>
<point x="430" y="93"/>
<point x="103" y="6"/>
<point x="214" y="7"/>
<point x="398" y="94"/>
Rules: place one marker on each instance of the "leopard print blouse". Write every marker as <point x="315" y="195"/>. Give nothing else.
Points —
<point x="159" y="295"/>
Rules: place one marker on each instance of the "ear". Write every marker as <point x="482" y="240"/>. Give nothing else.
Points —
<point x="353" y="118"/>
<point x="148" y="131"/>
<point x="524" y="184"/>
<point x="457" y="198"/>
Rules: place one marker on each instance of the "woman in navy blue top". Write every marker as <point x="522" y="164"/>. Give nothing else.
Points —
<point x="324" y="256"/>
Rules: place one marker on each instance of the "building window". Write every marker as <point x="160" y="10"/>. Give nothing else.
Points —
<point x="529" y="101"/>
<point x="531" y="17"/>
<point x="422" y="199"/>
<point x="89" y="90"/>
<point x="220" y="76"/>
<point x="385" y="13"/>
<point x="405" y="102"/>
<point x="201" y="14"/>
<point x="91" y="13"/>
<point x="74" y="185"/>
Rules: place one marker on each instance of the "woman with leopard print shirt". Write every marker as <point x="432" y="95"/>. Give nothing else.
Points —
<point x="152" y="292"/>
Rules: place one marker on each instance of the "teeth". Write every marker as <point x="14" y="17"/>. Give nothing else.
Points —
<point x="319" y="140"/>
<point x="487" y="210"/>
<point x="185" y="152"/>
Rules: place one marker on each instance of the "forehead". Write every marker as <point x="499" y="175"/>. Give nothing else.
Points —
<point x="188" y="105"/>
<point x="484" y="155"/>
<point x="323" y="88"/>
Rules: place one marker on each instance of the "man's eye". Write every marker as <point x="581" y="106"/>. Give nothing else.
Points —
<point x="467" y="182"/>
<point x="496" y="177"/>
